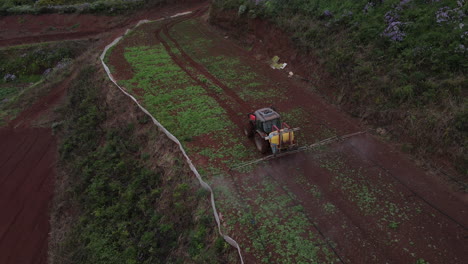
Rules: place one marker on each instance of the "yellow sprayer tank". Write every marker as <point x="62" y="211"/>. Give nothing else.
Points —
<point x="286" y="136"/>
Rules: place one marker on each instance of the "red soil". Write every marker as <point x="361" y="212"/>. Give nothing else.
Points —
<point x="26" y="188"/>
<point x="437" y="216"/>
<point x="27" y="163"/>
<point x="30" y="29"/>
<point x="28" y="156"/>
<point x="24" y="29"/>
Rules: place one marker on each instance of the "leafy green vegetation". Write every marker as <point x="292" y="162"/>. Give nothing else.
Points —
<point x="393" y="225"/>
<point x="17" y="7"/>
<point x="185" y="110"/>
<point x="329" y="208"/>
<point x="403" y="57"/>
<point x="127" y="213"/>
<point x="28" y="62"/>
<point x="6" y="92"/>
<point x="421" y="261"/>
<point x="28" y="71"/>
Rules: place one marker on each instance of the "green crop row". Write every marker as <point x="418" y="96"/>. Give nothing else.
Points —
<point x="19" y="7"/>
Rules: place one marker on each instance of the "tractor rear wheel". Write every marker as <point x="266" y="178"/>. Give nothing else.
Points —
<point x="248" y="130"/>
<point x="261" y="143"/>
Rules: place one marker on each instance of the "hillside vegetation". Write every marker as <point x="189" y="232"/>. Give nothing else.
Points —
<point x="401" y="64"/>
<point x="16" y="7"/>
<point x="125" y="195"/>
<point x="29" y="71"/>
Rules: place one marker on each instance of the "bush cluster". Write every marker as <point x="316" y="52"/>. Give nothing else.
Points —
<point x="35" y="60"/>
<point x="12" y="7"/>
<point x="115" y="192"/>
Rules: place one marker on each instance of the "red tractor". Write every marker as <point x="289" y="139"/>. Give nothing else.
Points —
<point x="265" y="124"/>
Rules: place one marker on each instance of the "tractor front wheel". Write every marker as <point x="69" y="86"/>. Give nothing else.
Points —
<point x="261" y="143"/>
<point x="248" y="130"/>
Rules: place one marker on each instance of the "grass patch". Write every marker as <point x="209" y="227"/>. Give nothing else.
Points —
<point x="109" y="7"/>
<point x="28" y="62"/>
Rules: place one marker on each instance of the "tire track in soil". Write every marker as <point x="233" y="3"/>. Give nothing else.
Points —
<point x="182" y="66"/>
<point x="25" y="192"/>
<point x="24" y="119"/>
<point x="6" y="156"/>
<point x="16" y="165"/>
<point x="327" y="226"/>
<point x="186" y="61"/>
<point x="406" y="186"/>
<point x="309" y="218"/>
<point x="30" y="173"/>
<point x="40" y="211"/>
<point x="458" y="219"/>
<point x="201" y="68"/>
<point x="247" y="256"/>
<point x="165" y="28"/>
<point x="48" y="37"/>
<point x="13" y="165"/>
<point x="326" y="240"/>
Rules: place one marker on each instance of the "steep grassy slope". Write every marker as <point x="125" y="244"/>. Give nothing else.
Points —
<point x="125" y="195"/>
<point x="401" y="64"/>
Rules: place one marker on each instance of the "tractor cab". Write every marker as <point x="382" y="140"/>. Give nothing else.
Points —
<point x="266" y="119"/>
<point x="265" y="124"/>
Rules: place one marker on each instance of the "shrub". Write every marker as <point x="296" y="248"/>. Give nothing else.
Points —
<point x="10" y="7"/>
<point x="49" y="2"/>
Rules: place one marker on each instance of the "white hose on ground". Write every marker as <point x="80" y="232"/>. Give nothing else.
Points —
<point x="228" y="239"/>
